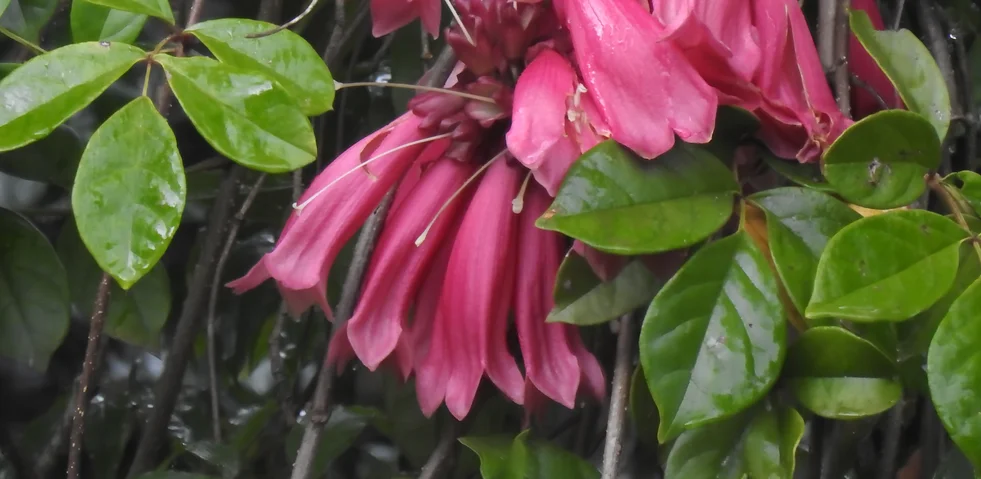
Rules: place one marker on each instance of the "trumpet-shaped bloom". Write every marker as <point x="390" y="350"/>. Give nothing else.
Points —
<point x="469" y="333"/>
<point x="645" y="89"/>
<point x="556" y="363"/>
<point x="552" y="120"/>
<point x="315" y="234"/>
<point x="390" y="15"/>
<point x="799" y="116"/>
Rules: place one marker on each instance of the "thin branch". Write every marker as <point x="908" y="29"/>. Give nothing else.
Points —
<point x="319" y="408"/>
<point x="842" y="76"/>
<point x="93" y="352"/>
<point x="871" y="91"/>
<point x="212" y="327"/>
<point x="900" y="6"/>
<point x="169" y="385"/>
<point x="618" y="400"/>
<point x="194" y="13"/>
<point x="441" y="458"/>
<point x="937" y="43"/>
<point x="891" y="436"/>
<point x="827" y="20"/>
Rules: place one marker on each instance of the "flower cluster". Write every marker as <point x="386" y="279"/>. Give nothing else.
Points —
<point x="537" y="84"/>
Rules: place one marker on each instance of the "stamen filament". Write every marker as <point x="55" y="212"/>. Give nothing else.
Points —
<point x="338" y="85"/>
<point x="294" y="21"/>
<point x="456" y="16"/>
<point x="299" y="207"/>
<point x="518" y="203"/>
<point x="456" y="193"/>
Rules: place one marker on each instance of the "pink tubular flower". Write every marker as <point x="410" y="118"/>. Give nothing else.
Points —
<point x="468" y="336"/>
<point x="315" y="233"/>
<point x="719" y="39"/>
<point x="556" y="363"/>
<point x="799" y="115"/>
<point x="646" y="90"/>
<point x="390" y="15"/>
<point x="864" y="67"/>
<point x="552" y="122"/>
<point x="398" y="267"/>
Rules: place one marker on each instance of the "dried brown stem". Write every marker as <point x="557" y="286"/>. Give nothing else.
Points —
<point x="93" y="353"/>
<point x="618" y="400"/>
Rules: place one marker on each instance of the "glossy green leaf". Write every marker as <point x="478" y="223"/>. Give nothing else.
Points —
<point x="135" y="316"/>
<point x="642" y="408"/>
<point x="129" y="191"/>
<point x="341" y="431"/>
<point x="154" y="8"/>
<point x="502" y="457"/>
<point x="799" y="223"/>
<point x="285" y="57"/>
<point x="771" y="443"/>
<point x="804" y="174"/>
<point x="714" y="337"/>
<point x="880" y="161"/>
<point x="6" y="68"/>
<point x="617" y="203"/>
<point x="242" y="114"/>
<point x="582" y="298"/>
<point x="911" y="68"/>
<point x="968" y="184"/>
<point x="3" y="5"/>
<point x="887" y="267"/>
<point x="45" y="91"/>
<point x="838" y="375"/>
<point x="732" y="126"/>
<point x="34" y="304"/>
<point x="52" y="159"/>
<point x="93" y="23"/>
<point x="954" y="372"/>
<point x="28" y="17"/>
<point x="758" y="444"/>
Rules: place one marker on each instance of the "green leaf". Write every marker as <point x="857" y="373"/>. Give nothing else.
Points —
<point x="502" y="457"/>
<point x="617" y="203"/>
<point x="954" y="372"/>
<point x="34" y="305"/>
<point x="799" y="223"/>
<point x="714" y="337"/>
<point x="284" y="56"/>
<point x="3" y="5"/>
<point x="340" y="432"/>
<point x="242" y="114"/>
<point x="969" y="185"/>
<point x="732" y="126"/>
<point x="6" y="68"/>
<point x="154" y="8"/>
<point x="135" y="316"/>
<point x="173" y="475"/>
<point x="911" y="68"/>
<point x="887" y="267"/>
<point x="758" y="444"/>
<point x="804" y="174"/>
<point x="582" y="298"/>
<point x="52" y="159"/>
<point x="45" y="91"/>
<point x="129" y="191"/>
<point x="880" y="161"/>
<point x="92" y="23"/>
<point x="27" y="17"/>
<point x="771" y="443"/>
<point x="839" y="375"/>
<point x="642" y="409"/>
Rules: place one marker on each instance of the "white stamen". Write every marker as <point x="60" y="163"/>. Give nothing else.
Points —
<point x="518" y="203"/>
<point x="456" y="16"/>
<point x="299" y="207"/>
<point x="456" y="193"/>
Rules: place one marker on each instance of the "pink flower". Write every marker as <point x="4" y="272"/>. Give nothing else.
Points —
<point x="398" y="267"/>
<point x="799" y="116"/>
<point x="314" y="235"/>
<point x="390" y="15"/>
<point x="552" y="119"/>
<point x="556" y="363"/>
<point x="719" y="39"/>
<point x="864" y="67"/>
<point x="645" y="90"/>
<point x="468" y="336"/>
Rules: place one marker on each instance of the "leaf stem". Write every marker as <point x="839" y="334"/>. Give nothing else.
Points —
<point x="23" y="41"/>
<point x="146" y="78"/>
<point x="92" y="353"/>
<point x="937" y="185"/>
<point x="469" y="96"/>
<point x="294" y="21"/>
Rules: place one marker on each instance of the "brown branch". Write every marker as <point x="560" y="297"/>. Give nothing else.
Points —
<point x="827" y="20"/>
<point x="169" y="385"/>
<point x="842" y="76"/>
<point x="441" y="458"/>
<point x="93" y="353"/>
<point x="618" y="399"/>
<point x="937" y="43"/>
